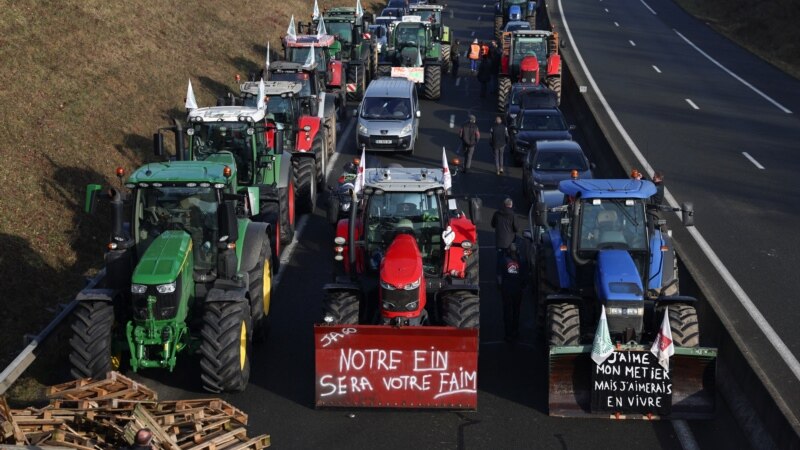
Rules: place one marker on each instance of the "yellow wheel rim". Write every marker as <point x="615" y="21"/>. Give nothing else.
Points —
<point x="267" y="286"/>
<point x="116" y="361"/>
<point x="243" y="345"/>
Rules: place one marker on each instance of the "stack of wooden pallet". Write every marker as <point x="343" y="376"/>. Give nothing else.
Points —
<point x="106" y="414"/>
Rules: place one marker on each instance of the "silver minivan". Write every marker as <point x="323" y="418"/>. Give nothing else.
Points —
<point x="388" y="116"/>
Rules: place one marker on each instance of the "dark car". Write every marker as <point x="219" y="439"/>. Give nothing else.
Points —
<point x="532" y="125"/>
<point x="549" y="162"/>
<point x="529" y="96"/>
<point x="397" y="13"/>
<point x="399" y="4"/>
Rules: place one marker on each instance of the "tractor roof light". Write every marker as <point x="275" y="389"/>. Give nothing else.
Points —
<point x="120" y="172"/>
<point x="466" y="245"/>
<point x="238" y="78"/>
<point x="190" y="131"/>
<point x="226" y="171"/>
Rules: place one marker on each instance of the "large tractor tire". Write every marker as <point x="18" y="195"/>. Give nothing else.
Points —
<point x="473" y="269"/>
<point x="261" y="291"/>
<point x="563" y="324"/>
<point x="225" y="347"/>
<point x="384" y="71"/>
<point x="304" y="173"/>
<point x="503" y="90"/>
<point x="684" y="324"/>
<point x="433" y="82"/>
<point x="340" y="308"/>
<point x="330" y="125"/>
<point x="554" y="83"/>
<point x="461" y="309"/>
<point x="286" y="217"/>
<point x="356" y="74"/>
<point x="91" y="341"/>
<point x="447" y="59"/>
<point x="498" y="26"/>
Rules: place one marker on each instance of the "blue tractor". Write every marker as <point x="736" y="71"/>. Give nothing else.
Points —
<point x="608" y="245"/>
<point x="513" y="10"/>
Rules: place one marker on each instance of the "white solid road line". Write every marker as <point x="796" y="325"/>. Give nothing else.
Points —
<point x="656" y="68"/>
<point x="633" y="44"/>
<point x="452" y="120"/>
<point x="753" y="160"/>
<point x="648" y="7"/>
<point x="734" y="285"/>
<point x="288" y="251"/>
<point x="691" y="103"/>
<point x="736" y="77"/>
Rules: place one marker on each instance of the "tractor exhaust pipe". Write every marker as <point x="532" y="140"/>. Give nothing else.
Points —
<point x="576" y="211"/>
<point x="117" y="208"/>
<point x="179" y="148"/>
<point x="351" y="233"/>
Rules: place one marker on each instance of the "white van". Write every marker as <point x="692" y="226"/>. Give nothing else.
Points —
<point x="388" y="116"/>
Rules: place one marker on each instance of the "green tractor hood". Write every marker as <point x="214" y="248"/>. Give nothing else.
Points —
<point x="164" y="259"/>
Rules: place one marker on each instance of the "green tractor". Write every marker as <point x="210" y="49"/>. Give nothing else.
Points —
<point x="186" y="272"/>
<point x="441" y="32"/>
<point x="413" y="46"/>
<point x="358" y="50"/>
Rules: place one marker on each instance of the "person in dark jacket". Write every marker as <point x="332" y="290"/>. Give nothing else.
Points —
<point x="454" y="57"/>
<point x="495" y="53"/>
<point x="485" y="73"/>
<point x="658" y="198"/>
<point x="469" y="135"/>
<point x="512" y="283"/>
<point x="498" y="138"/>
<point x="505" y="232"/>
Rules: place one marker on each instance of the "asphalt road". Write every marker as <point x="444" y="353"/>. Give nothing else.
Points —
<point x="723" y="125"/>
<point x="512" y="399"/>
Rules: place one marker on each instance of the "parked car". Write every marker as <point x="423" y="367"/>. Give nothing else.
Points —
<point x="388" y="116"/>
<point x="533" y="125"/>
<point x="549" y="162"/>
<point x="529" y="96"/>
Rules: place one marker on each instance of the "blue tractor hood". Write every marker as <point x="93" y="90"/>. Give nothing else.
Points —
<point x="617" y="278"/>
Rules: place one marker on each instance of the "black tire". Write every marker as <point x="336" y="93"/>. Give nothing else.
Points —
<point x="332" y="213"/>
<point x="554" y="83"/>
<point x="473" y="267"/>
<point x="225" y="347"/>
<point x="261" y="290"/>
<point x="563" y="324"/>
<point x="503" y="89"/>
<point x="684" y="324"/>
<point x="433" y="82"/>
<point x="447" y="61"/>
<point x="340" y="308"/>
<point x="91" y="340"/>
<point x="286" y="214"/>
<point x="498" y="26"/>
<point x="384" y="71"/>
<point x="356" y="74"/>
<point x="331" y="135"/>
<point x="304" y="173"/>
<point x="461" y="309"/>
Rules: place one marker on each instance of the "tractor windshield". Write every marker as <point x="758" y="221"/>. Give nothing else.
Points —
<point x="190" y="209"/>
<point x="409" y="35"/>
<point x="530" y="46"/>
<point x="343" y="32"/>
<point x="298" y="77"/>
<point x="405" y="212"/>
<point x="300" y="54"/>
<point x="613" y="223"/>
<point x="281" y="108"/>
<point x="214" y="137"/>
<point x="429" y="16"/>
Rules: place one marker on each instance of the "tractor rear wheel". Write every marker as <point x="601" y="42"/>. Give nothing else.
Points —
<point x="384" y="71"/>
<point x="261" y="291"/>
<point x="340" y="308"/>
<point x="461" y="309"/>
<point x="684" y="324"/>
<point x="503" y="89"/>
<point x="286" y="218"/>
<point x="91" y="341"/>
<point x="225" y="348"/>
<point x="498" y="25"/>
<point x="356" y="74"/>
<point x="433" y="82"/>
<point x="447" y="60"/>
<point x="563" y="324"/>
<point x="330" y="124"/>
<point x="473" y="272"/>
<point x="304" y="172"/>
<point x="554" y="83"/>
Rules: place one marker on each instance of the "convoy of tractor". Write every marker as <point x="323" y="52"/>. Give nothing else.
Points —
<point x="197" y="237"/>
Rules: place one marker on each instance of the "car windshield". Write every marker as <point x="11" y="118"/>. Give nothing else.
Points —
<point x="545" y="161"/>
<point x="190" y="209"/>
<point x="386" y="108"/>
<point x="405" y="212"/>
<point x="613" y="223"/>
<point x="296" y="76"/>
<point x="538" y="121"/>
<point x="530" y="46"/>
<point x="342" y="30"/>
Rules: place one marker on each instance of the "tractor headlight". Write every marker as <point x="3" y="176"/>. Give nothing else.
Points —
<point x="466" y="245"/>
<point x="620" y="311"/>
<point x="166" y="288"/>
<point x="412" y="306"/>
<point x="362" y="130"/>
<point x="138" y="289"/>
<point x="387" y="286"/>
<point x="413" y="285"/>
<point x="389" y="306"/>
<point x="405" y="131"/>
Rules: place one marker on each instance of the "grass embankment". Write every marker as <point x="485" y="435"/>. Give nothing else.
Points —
<point x="767" y="28"/>
<point x="84" y="85"/>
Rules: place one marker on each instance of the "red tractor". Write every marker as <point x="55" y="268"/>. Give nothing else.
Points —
<point x="529" y="56"/>
<point x="330" y="76"/>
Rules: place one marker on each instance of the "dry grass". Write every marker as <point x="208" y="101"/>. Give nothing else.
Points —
<point x="767" y="28"/>
<point x="85" y="84"/>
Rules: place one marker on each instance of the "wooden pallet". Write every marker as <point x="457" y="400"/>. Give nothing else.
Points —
<point x="115" y="390"/>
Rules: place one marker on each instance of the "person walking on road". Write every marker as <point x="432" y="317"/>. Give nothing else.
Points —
<point x="512" y="283"/>
<point x="469" y="135"/>
<point x="505" y="232"/>
<point x="474" y="56"/>
<point x="495" y="53"/>
<point x="454" y="57"/>
<point x="498" y="137"/>
<point x="485" y="73"/>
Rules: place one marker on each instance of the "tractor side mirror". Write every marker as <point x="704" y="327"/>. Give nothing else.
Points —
<point x="541" y="214"/>
<point x="228" y="225"/>
<point x="91" y="198"/>
<point x="475" y="205"/>
<point x="687" y="209"/>
<point x="279" y="138"/>
<point x="158" y="144"/>
<point x="253" y="197"/>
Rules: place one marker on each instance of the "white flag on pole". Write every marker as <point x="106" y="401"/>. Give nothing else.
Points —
<point x="447" y="179"/>
<point x="359" y="9"/>
<point x="602" y="347"/>
<point x="360" y="181"/>
<point x="321" y="30"/>
<point x="191" y="102"/>
<point x="663" y="347"/>
<point x="315" y="15"/>
<point x="267" y="64"/>
<point x="261" y="102"/>
<point x="290" y="32"/>
<point x="311" y="58"/>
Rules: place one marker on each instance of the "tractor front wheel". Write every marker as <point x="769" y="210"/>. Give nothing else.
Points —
<point x="90" y="344"/>
<point x="684" y="324"/>
<point x="447" y="59"/>
<point x="286" y="217"/>
<point x="225" y="347"/>
<point x="461" y="309"/>
<point x="261" y="290"/>
<point x="330" y="124"/>
<point x="304" y="173"/>
<point x="563" y="324"/>
<point x="503" y="89"/>
<point x="473" y="272"/>
<point x="433" y="82"/>
<point x="554" y="83"/>
<point x="384" y="71"/>
<point x="340" y="308"/>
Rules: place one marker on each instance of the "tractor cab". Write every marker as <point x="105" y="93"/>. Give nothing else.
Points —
<point x="432" y="14"/>
<point x="520" y="44"/>
<point x="282" y="104"/>
<point x="298" y="49"/>
<point x="346" y="25"/>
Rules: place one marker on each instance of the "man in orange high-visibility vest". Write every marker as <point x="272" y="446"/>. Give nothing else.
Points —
<point x="474" y="56"/>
